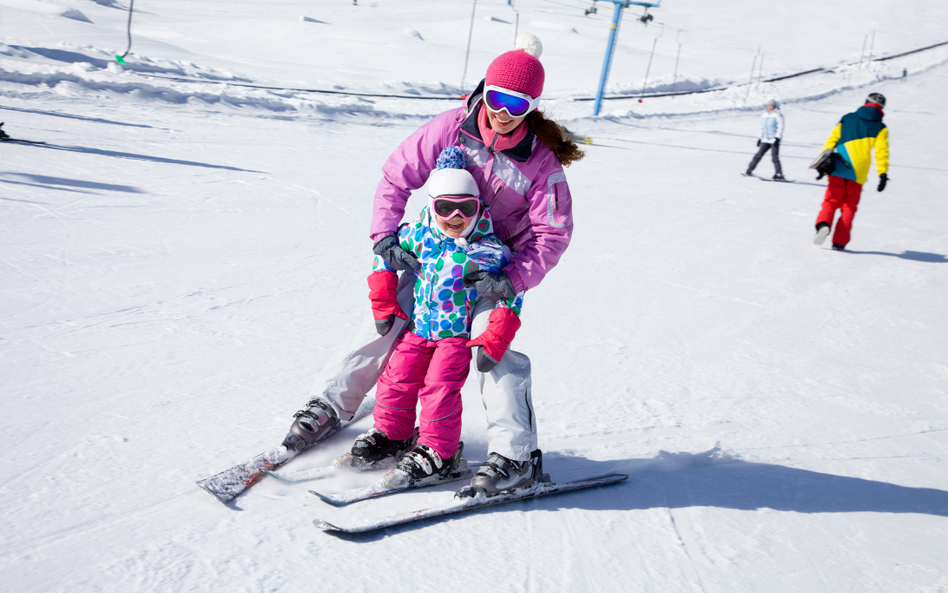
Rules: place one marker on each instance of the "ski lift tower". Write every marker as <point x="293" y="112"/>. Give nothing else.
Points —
<point x="610" y="48"/>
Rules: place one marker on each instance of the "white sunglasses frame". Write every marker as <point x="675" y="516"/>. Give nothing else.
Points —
<point x="534" y="103"/>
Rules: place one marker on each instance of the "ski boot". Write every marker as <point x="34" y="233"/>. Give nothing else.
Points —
<point x="421" y="463"/>
<point x="838" y="247"/>
<point x="822" y="232"/>
<point x="779" y="177"/>
<point x="499" y="474"/>
<point x="311" y="425"/>
<point x="372" y="448"/>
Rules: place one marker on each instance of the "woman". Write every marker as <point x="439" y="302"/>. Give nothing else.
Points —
<point x="516" y="157"/>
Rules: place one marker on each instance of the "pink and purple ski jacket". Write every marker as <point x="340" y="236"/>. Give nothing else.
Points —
<point x="524" y="186"/>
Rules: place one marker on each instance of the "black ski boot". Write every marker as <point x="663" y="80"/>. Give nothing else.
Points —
<point x="373" y="447"/>
<point x="311" y="425"/>
<point x="499" y="474"/>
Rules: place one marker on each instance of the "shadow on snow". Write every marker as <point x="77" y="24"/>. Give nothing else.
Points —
<point x="711" y="479"/>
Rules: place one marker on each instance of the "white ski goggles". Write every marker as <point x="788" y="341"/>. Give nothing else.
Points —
<point x="516" y="104"/>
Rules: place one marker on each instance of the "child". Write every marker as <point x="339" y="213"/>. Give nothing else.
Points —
<point x="452" y="238"/>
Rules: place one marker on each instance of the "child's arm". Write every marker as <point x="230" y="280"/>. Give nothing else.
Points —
<point x="383" y="284"/>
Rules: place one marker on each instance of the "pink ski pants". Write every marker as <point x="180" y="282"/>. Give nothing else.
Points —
<point x="432" y="372"/>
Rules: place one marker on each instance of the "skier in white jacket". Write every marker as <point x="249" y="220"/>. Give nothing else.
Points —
<point x="771" y="131"/>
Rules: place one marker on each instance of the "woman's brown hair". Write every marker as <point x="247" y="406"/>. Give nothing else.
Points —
<point x="558" y="138"/>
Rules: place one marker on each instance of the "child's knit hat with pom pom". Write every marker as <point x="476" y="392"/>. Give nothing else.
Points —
<point x="451" y="178"/>
<point x="519" y="70"/>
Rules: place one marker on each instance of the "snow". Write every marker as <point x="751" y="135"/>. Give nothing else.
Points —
<point x="187" y="252"/>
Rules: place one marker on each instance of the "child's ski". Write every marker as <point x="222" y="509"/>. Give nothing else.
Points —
<point x="380" y="489"/>
<point x="231" y="483"/>
<point x="470" y="504"/>
<point x="315" y="473"/>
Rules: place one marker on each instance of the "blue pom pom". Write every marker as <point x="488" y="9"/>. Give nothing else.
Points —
<point x="452" y="158"/>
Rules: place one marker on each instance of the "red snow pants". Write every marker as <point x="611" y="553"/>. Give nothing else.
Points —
<point x="432" y="372"/>
<point x="841" y="194"/>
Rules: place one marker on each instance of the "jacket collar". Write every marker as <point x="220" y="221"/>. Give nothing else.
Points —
<point x="521" y="152"/>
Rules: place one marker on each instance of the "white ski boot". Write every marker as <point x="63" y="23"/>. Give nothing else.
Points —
<point x="499" y="474"/>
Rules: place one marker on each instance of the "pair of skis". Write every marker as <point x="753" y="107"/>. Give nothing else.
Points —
<point x="544" y="487"/>
<point x="231" y="483"/>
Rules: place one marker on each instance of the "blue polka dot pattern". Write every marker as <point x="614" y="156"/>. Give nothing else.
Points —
<point x="443" y="305"/>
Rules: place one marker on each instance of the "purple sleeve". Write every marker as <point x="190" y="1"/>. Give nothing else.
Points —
<point x="551" y="217"/>
<point x="407" y="169"/>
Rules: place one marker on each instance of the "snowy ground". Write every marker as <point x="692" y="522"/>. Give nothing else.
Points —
<point x="181" y="259"/>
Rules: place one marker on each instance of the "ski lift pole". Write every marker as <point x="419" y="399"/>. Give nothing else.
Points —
<point x="611" y="44"/>
<point x="467" y="54"/>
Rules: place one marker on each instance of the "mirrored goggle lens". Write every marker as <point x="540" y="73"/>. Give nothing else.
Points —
<point x="516" y="106"/>
<point x="468" y="208"/>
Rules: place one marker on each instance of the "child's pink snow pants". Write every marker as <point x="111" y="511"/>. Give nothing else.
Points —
<point x="434" y="373"/>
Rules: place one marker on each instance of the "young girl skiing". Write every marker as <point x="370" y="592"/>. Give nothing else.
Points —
<point x="452" y="238"/>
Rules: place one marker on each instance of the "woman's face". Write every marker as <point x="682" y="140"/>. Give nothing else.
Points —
<point x="503" y="123"/>
<point x="453" y="227"/>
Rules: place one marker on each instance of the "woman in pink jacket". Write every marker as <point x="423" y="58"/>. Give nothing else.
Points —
<point x="516" y="157"/>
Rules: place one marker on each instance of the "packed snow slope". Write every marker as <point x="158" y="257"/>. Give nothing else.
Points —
<point x="181" y="259"/>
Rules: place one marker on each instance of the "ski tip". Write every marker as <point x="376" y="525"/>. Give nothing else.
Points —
<point x="326" y="498"/>
<point x="325" y="526"/>
<point x="223" y="499"/>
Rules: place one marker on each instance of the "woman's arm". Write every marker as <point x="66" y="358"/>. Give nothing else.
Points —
<point x="407" y="169"/>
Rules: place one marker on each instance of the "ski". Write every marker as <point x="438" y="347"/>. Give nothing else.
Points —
<point x="231" y="483"/>
<point x="5" y="138"/>
<point x="469" y="504"/>
<point x="20" y="140"/>
<point x="776" y="180"/>
<point x="381" y="488"/>
<point x="339" y="464"/>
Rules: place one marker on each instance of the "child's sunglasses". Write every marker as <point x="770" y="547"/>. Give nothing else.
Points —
<point x="515" y="104"/>
<point x="445" y="207"/>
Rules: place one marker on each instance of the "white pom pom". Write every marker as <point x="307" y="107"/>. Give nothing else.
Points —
<point x="530" y="43"/>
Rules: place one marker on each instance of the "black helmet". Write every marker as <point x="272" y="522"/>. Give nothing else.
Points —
<point x="877" y="98"/>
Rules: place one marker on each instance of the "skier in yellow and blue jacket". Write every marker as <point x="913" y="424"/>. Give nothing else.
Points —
<point x="853" y="139"/>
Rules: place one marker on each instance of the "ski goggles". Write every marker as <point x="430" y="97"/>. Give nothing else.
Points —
<point x="499" y="99"/>
<point x="446" y="207"/>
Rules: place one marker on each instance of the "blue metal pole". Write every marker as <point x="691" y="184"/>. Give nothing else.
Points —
<point x="610" y="49"/>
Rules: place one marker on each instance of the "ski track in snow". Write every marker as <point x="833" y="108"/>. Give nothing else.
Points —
<point x="182" y="258"/>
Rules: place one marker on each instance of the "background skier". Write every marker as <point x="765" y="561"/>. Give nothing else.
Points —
<point x="853" y="139"/>
<point x="516" y="157"/>
<point x="771" y="131"/>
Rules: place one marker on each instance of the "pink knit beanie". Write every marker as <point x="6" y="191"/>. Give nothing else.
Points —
<point x="519" y="70"/>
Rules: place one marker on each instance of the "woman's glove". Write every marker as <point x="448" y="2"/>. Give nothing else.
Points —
<point x="502" y="326"/>
<point x="491" y="285"/>
<point x="883" y="179"/>
<point x="383" y="288"/>
<point x="396" y="257"/>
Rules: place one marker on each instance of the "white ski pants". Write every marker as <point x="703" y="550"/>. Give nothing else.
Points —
<point x="505" y="390"/>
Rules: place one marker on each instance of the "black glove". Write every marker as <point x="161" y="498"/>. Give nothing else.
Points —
<point x="883" y="179"/>
<point x="758" y="142"/>
<point x="396" y="257"/>
<point x="777" y="142"/>
<point x="490" y="285"/>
